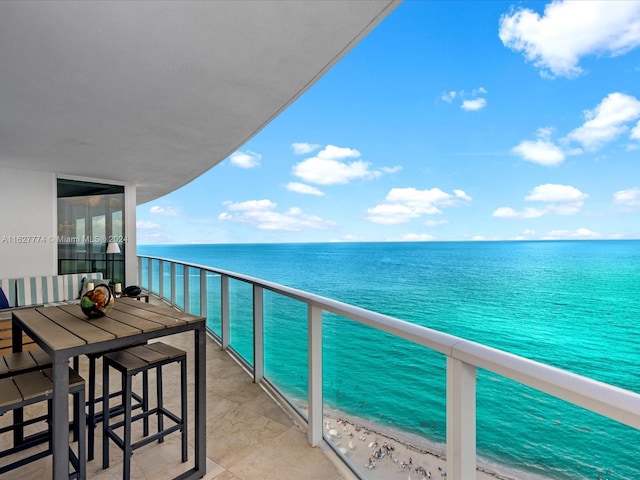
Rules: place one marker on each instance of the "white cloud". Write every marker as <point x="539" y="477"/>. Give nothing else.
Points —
<point x="449" y="96"/>
<point x="462" y="195"/>
<point x="541" y="151"/>
<point x="435" y="223"/>
<point x="404" y="204"/>
<point x="303" y="188"/>
<point x="603" y="124"/>
<point x="579" y="234"/>
<point x="607" y="121"/>
<point x="627" y="198"/>
<point x="169" y="211"/>
<point x="416" y="237"/>
<point x="302" y="148"/>
<point x="246" y="159"/>
<point x="567" y="31"/>
<point x="261" y="214"/>
<point x="508" y="212"/>
<point x="250" y="205"/>
<point x="470" y="104"/>
<point x="553" y="193"/>
<point x="348" y="238"/>
<point x="395" y="169"/>
<point x="391" y="214"/>
<point x="474" y="104"/>
<point x="331" y="167"/>
<point x="558" y="199"/>
<point x="144" y="225"/>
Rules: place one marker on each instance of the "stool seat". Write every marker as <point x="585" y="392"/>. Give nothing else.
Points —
<point x="20" y="362"/>
<point x="32" y="387"/>
<point x="129" y="362"/>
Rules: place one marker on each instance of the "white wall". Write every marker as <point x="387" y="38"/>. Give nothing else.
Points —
<point x="28" y="224"/>
<point x="28" y="228"/>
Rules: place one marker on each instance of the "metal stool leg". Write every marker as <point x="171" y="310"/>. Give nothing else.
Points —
<point x="145" y="402"/>
<point x="128" y="451"/>
<point x="92" y="408"/>
<point x="81" y="420"/>
<point x="105" y="420"/>
<point x="160" y="402"/>
<point x="183" y="381"/>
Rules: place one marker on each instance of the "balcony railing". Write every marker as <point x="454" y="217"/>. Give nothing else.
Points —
<point x="215" y="293"/>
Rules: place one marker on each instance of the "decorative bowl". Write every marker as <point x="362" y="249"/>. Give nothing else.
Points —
<point x="96" y="303"/>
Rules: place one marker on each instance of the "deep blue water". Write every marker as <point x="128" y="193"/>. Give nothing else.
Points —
<point x="573" y="305"/>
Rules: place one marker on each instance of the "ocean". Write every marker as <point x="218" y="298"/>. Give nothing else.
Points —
<point x="570" y="304"/>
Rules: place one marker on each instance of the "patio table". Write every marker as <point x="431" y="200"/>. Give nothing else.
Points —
<point x="64" y="332"/>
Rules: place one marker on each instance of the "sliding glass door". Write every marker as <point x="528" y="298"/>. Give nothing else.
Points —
<point x="90" y="216"/>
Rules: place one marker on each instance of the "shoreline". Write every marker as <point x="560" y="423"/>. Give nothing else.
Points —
<point x="387" y="454"/>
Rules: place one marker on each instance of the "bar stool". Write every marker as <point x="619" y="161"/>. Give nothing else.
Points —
<point x="93" y="417"/>
<point x="130" y="362"/>
<point x="32" y="387"/>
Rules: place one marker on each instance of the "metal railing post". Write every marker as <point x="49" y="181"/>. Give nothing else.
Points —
<point x="224" y="314"/>
<point x="314" y="432"/>
<point x="139" y="281"/>
<point x="258" y="334"/>
<point x="461" y="420"/>
<point x="204" y="297"/>
<point x="150" y="275"/>
<point x="161" y="279"/>
<point x="173" y="284"/>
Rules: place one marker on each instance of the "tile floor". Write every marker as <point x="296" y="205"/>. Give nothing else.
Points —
<point x="249" y="436"/>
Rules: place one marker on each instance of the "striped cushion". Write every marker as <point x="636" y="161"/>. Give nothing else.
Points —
<point x="73" y="284"/>
<point x="8" y="286"/>
<point x="40" y="290"/>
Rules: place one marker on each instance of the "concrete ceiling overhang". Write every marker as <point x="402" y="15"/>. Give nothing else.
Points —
<point x="158" y="92"/>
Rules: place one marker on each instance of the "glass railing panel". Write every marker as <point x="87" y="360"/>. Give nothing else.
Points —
<point x="241" y="319"/>
<point x="286" y="347"/>
<point x="214" y="307"/>
<point x="375" y="412"/>
<point x="194" y="291"/>
<point x="144" y="274"/>
<point x="155" y="280"/>
<point x="523" y="429"/>
<point x="166" y="285"/>
<point x="180" y="285"/>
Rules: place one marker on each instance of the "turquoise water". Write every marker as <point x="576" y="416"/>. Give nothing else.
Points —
<point x="573" y="305"/>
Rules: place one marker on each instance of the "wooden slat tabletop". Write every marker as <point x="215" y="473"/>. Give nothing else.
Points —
<point x="65" y="326"/>
<point x="80" y="327"/>
<point x="55" y="336"/>
<point x="144" y="324"/>
<point x="172" y="313"/>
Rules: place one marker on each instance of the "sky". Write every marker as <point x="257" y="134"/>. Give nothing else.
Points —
<point x="451" y="121"/>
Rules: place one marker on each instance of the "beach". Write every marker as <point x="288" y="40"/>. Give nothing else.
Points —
<point x="384" y="456"/>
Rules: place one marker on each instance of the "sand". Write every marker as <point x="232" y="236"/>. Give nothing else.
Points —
<point x="383" y="457"/>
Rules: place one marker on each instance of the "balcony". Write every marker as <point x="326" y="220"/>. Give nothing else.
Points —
<point x="258" y="428"/>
